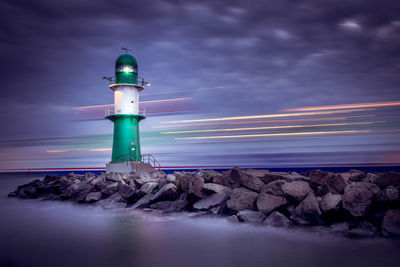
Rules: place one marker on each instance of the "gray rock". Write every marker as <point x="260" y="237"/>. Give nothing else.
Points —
<point x="330" y="202"/>
<point x="233" y="219"/>
<point x="242" y="199"/>
<point x="115" y="201"/>
<point x="337" y="182"/>
<point x="389" y="178"/>
<point x="371" y="178"/>
<point x="171" y="178"/>
<point x="93" y="197"/>
<point x="256" y="173"/>
<point x="356" y="200"/>
<point x="149" y="187"/>
<point x="251" y="216"/>
<point x="196" y="187"/>
<point x="229" y="178"/>
<point x="266" y="203"/>
<point x="127" y="192"/>
<point x="210" y="188"/>
<point x="308" y="211"/>
<point x="251" y="181"/>
<point x="389" y="195"/>
<point x="179" y="204"/>
<point x="391" y="223"/>
<point x="113" y="177"/>
<point x="372" y="187"/>
<point x="319" y="177"/>
<point x="210" y="201"/>
<point x="277" y="219"/>
<point x="297" y="190"/>
<point x="273" y="176"/>
<point x="182" y="180"/>
<point x="167" y="192"/>
<point x="83" y="190"/>
<point x="294" y="176"/>
<point x="340" y="227"/>
<point x="144" y="202"/>
<point x="273" y="188"/>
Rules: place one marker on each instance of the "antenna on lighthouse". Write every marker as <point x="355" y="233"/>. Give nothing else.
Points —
<point x="126" y="49"/>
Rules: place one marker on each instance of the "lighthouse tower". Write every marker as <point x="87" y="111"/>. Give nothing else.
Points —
<point x="125" y="115"/>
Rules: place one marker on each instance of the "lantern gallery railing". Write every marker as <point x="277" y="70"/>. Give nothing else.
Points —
<point x="118" y="110"/>
<point x="140" y="80"/>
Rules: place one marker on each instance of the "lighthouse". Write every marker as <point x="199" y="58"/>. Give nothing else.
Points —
<point x="126" y="115"/>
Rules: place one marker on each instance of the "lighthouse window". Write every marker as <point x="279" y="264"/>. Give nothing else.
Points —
<point x="132" y="101"/>
<point x="125" y="68"/>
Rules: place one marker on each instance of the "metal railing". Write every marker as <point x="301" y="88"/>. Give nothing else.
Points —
<point x="111" y="111"/>
<point x="113" y="80"/>
<point x="148" y="158"/>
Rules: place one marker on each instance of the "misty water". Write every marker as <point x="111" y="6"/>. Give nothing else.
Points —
<point x="55" y="233"/>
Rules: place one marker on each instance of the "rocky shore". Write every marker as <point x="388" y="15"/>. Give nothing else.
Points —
<point x="354" y="204"/>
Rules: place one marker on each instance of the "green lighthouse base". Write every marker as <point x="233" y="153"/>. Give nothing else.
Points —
<point x="126" y="143"/>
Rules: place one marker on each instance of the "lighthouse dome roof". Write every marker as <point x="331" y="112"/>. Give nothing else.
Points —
<point x="126" y="59"/>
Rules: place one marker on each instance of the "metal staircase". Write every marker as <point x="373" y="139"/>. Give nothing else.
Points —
<point x="148" y="158"/>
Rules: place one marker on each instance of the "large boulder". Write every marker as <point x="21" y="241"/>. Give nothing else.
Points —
<point x="167" y="192"/>
<point x="211" y="188"/>
<point x="242" y="199"/>
<point x="330" y="202"/>
<point x="372" y="187"/>
<point x="127" y="192"/>
<point x="256" y="172"/>
<point x="196" y="187"/>
<point x="266" y="203"/>
<point x="229" y="178"/>
<point x="210" y="201"/>
<point x="93" y="197"/>
<point x="297" y="190"/>
<point x="182" y="180"/>
<point x="357" y="199"/>
<point x="149" y="187"/>
<point x="115" y="201"/>
<point x="319" y="177"/>
<point x="81" y="192"/>
<point x="277" y="219"/>
<point x="162" y="205"/>
<point x="143" y="202"/>
<point x="251" y="182"/>
<point x="273" y="188"/>
<point x="272" y="176"/>
<point x="389" y="196"/>
<point x="337" y="182"/>
<point x="388" y="178"/>
<point x="391" y="223"/>
<point x="251" y="216"/>
<point x="308" y="211"/>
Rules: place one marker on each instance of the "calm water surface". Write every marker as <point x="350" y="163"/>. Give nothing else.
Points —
<point x="50" y="233"/>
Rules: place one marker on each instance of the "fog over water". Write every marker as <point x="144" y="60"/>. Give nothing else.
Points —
<point x="49" y="233"/>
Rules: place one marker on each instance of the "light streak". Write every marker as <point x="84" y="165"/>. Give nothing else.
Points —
<point x="273" y="135"/>
<point x="99" y="149"/>
<point x="270" y="127"/>
<point x="55" y="151"/>
<point x="187" y="90"/>
<point x="270" y="116"/>
<point x="347" y="106"/>
<point x="264" y="122"/>
<point x="141" y="102"/>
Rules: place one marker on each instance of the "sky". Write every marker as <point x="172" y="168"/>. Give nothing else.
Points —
<point x="228" y="58"/>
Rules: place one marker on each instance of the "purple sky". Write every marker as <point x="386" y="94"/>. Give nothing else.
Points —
<point x="267" y="56"/>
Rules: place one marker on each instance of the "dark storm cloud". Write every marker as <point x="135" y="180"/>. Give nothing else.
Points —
<point x="268" y="54"/>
